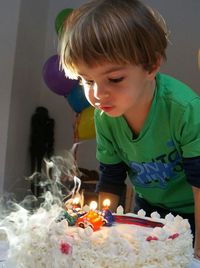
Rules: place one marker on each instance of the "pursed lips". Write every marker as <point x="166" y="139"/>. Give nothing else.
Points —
<point x="102" y="105"/>
<point x="105" y="108"/>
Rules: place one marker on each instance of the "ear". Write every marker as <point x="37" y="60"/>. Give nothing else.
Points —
<point x="155" y="68"/>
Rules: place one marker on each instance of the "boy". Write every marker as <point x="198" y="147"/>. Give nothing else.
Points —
<point x="147" y="123"/>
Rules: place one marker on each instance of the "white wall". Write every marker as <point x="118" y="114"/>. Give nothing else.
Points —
<point x="30" y="29"/>
<point x="8" y="33"/>
<point x="183" y="20"/>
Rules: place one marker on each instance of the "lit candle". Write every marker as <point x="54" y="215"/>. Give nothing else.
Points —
<point x="92" y="218"/>
<point x="106" y="213"/>
<point x="93" y="205"/>
<point x="75" y="203"/>
<point x="92" y="213"/>
<point x="106" y="204"/>
<point x="76" y="207"/>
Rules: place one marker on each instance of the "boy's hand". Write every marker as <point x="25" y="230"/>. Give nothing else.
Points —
<point x="196" y="193"/>
<point x="197" y="254"/>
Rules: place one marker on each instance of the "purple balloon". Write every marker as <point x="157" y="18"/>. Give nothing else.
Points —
<point x="56" y="79"/>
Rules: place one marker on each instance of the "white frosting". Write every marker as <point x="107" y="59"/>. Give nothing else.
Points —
<point x="120" y="210"/>
<point x="155" y="215"/>
<point x="160" y="233"/>
<point x="169" y="217"/>
<point x="43" y="243"/>
<point x="141" y="213"/>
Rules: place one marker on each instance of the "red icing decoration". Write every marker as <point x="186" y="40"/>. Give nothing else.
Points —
<point x="65" y="248"/>
<point x="174" y="236"/>
<point x="137" y="221"/>
<point x="150" y="238"/>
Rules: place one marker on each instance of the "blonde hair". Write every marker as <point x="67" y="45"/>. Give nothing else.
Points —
<point x="118" y="31"/>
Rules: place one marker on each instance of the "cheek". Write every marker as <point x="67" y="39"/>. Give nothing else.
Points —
<point x="127" y="97"/>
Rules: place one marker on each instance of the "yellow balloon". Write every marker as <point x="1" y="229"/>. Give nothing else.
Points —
<point x="85" y="128"/>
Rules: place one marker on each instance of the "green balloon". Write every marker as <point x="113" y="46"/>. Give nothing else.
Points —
<point x="62" y="15"/>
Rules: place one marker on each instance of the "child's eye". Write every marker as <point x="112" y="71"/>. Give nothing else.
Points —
<point x="89" y="82"/>
<point x="85" y="82"/>
<point x="116" y="80"/>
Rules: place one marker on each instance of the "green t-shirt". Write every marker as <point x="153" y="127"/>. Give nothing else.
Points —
<point x="171" y="131"/>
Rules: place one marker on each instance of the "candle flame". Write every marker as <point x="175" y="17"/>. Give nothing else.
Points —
<point x="75" y="200"/>
<point x="106" y="202"/>
<point x="93" y="205"/>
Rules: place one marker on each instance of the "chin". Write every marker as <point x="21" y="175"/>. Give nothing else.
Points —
<point x="113" y="114"/>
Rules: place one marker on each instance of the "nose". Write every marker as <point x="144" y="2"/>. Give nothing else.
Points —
<point x="100" y="92"/>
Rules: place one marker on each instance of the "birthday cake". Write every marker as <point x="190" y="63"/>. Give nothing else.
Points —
<point x="40" y="240"/>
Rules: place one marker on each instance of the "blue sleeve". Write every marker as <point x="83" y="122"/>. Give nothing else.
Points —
<point x="112" y="178"/>
<point x="192" y="170"/>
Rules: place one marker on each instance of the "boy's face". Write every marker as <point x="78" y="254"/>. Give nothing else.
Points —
<point x="117" y="89"/>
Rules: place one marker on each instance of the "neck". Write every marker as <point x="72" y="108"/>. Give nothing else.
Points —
<point x="136" y="118"/>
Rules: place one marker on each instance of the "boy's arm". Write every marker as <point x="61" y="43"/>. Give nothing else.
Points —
<point x="196" y="192"/>
<point x="192" y="170"/>
<point x="111" y="184"/>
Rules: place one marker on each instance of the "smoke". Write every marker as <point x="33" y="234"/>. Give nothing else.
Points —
<point x="57" y="183"/>
<point x="27" y="222"/>
<point x="59" y="176"/>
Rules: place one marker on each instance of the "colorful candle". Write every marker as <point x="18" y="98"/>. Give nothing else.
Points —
<point x="107" y="213"/>
<point x="93" y="205"/>
<point x="75" y="203"/>
<point x="76" y="207"/>
<point x="106" y="204"/>
<point x="92" y="218"/>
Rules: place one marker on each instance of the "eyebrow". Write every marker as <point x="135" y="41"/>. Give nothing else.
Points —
<point x="110" y="70"/>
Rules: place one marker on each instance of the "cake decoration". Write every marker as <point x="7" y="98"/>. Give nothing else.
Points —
<point x="91" y="219"/>
<point x="50" y="236"/>
<point x="44" y="242"/>
<point x="107" y="213"/>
